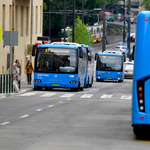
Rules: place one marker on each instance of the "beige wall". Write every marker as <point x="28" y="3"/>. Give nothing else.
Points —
<point x="23" y="26"/>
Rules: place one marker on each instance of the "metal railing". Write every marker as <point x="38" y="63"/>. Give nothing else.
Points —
<point x="6" y="83"/>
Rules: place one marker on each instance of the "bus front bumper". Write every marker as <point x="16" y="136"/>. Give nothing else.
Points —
<point x="56" y="85"/>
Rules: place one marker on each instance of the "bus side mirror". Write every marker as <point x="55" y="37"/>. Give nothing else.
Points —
<point x="33" y="50"/>
<point x="95" y="56"/>
<point x="80" y="53"/>
<point x="89" y="58"/>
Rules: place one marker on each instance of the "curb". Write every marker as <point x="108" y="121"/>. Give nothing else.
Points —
<point x="12" y="94"/>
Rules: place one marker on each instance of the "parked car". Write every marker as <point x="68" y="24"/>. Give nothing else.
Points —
<point x="128" y="72"/>
<point x="121" y="19"/>
<point x="122" y="49"/>
<point x="114" y="52"/>
<point x="132" y="37"/>
<point x="132" y="20"/>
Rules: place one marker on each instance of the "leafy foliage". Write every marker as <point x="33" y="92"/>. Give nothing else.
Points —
<point x="146" y="4"/>
<point x="82" y="35"/>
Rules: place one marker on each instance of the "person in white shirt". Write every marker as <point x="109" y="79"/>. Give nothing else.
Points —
<point x="15" y="75"/>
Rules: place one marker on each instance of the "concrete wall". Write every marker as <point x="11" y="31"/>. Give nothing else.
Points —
<point x="23" y="26"/>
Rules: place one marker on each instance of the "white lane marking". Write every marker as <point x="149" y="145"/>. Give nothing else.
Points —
<point x="126" y="97"/>
<point x="24" y="116"/>
<point x="48" y="95"/>
<point x="39" y="109"/>
<point x="60" y="102"/>
<point x="67" y="95"/>
<point x="4" y="123"/>
<point x="106" y="96"/>
<point x="86" y="96"/>
<point x="68" y="99"/>
<point x="28" y="94"/>
<point x="51" y="106"/>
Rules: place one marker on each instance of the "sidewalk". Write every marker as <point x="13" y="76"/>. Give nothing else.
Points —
<point x="24" y="88"/>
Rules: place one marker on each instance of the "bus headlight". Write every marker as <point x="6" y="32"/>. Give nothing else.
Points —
<point x="98" y="76"/>
<point x="141" y="108"/>
<point x="37" y="80"/>
<point x="73" y="81"/>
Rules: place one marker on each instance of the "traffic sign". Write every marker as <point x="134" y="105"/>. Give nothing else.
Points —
<point x="127" y="35"/>
<point x="127" y="51"/>
<point x="123" y="44"/>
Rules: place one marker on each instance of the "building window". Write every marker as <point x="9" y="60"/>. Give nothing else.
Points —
<point x="41" y="18"/>
<point x="10" y="17"/>
<point x="22" y="20"/>
<point x="16" y="19"/>
<point x="3" y="19"/>
<point x="36" y="30"/>
<point x="27" y="20"/>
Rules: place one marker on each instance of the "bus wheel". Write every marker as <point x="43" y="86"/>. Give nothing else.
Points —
<point x="97" y="80"/>
<point x="87" y="84"/>
<point x="81" y="88"/>
<point x="90" y="85"/>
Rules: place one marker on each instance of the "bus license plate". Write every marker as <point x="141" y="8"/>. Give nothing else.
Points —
<point x="55" y="84"/>
<point x="109" y="78"/>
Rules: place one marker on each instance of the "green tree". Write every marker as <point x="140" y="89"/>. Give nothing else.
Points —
<point x="146" y="4"/>
<point x="82" y="35"/>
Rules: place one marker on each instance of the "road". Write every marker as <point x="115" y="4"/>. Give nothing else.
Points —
<point x="98" y="118"/>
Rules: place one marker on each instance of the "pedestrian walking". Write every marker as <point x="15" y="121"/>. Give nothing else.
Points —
<point x="29" y="70"/>
<point x="18" y="65"/>
<point x="15" y="76"/>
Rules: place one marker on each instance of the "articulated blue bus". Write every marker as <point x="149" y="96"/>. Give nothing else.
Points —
<point x="90" y="65"/>
<point x="59" y="66"/>
<point x="141" y="77"/>
<point x="89" y="55"/>
<point x="109" y="66"/>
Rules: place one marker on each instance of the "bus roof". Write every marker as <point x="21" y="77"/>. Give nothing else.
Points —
<point x="58" y="46"/>
<point x="108" y="54"/>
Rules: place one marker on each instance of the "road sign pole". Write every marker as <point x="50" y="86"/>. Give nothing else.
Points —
<point x="10" y="51"/>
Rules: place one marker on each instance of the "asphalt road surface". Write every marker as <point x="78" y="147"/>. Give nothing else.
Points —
<point x="98" y="118"/>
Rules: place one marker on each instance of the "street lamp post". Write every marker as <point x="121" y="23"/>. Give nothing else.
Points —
<point x="73" y="36"/>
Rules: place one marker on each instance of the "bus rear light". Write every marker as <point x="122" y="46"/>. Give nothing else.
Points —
<point x="141" y="101"/>
<point x="140" y="95"/>
<point x="126" y="71"/>
<point x="140" y="88"/>
<point x="141" y="108"/>
<point x="142" y="117"/>
<point x="119" y="49"/>
<point x="73" y="81"/>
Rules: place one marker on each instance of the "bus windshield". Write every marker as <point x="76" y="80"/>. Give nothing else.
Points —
<point x="56" y="60"/>
<point x="109" y="63"/>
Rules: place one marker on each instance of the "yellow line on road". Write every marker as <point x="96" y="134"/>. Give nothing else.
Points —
<point x="144" y="141"/>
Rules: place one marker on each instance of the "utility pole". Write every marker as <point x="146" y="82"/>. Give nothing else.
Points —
<point x="82" y="11"/>
<point x="129" y="23"/>
<point x="64" y="19"/>
<point x="31" y="26"/>
<point x="73" y="39"/>
<point x="49" y="20"/>
<point x="13" y="29"/>
<point x="124" y="24"/>
<point x="104" y="28"/>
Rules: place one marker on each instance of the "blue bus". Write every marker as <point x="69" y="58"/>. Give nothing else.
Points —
<point x="141" y="76"/>
<point x="90" y="65"/>
<point x="109" y="66"/>
<point x="89" y="55"/>
<point x="59" y="66"/>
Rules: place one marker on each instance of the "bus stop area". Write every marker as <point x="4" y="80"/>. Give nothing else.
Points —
<point x="24" y="87"/>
